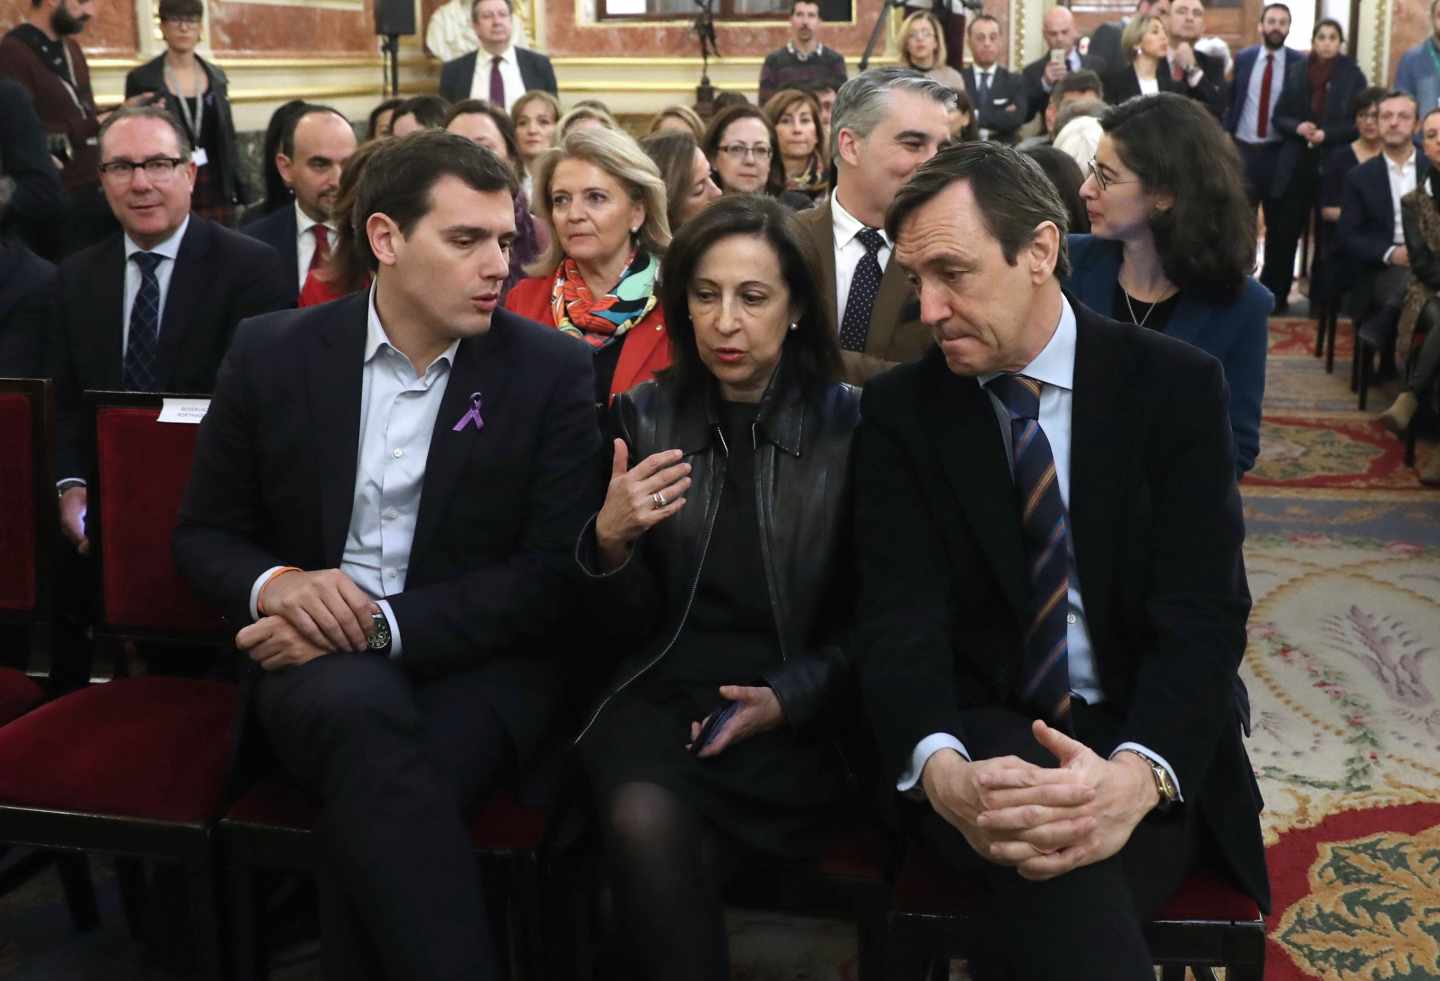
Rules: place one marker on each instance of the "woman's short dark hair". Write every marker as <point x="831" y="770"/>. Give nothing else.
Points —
<point x="1067" y="177"/>
<point x="775" y="180"/>
<point x="181" y="10"/>
<point x="397" y="178"/>
<point x="428" y="110"/>
<point x="372" y="131"/>
<point x="501" y="119"/>
<point x="1328" y="22"/>
<point x="1368" y="98"/>
<point x="811" y="353"/>
<point x="282" y="121"/>
<point x="1206" y="241"/>
<point x="1011" y="191"/>
<point x="674" y="154"/>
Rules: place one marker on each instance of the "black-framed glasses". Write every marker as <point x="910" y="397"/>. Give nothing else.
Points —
<point x="739" y="151"/>
<point x="157" y="169"/>
<point x="192" y="23"/>
<point x="1108" y="182"/>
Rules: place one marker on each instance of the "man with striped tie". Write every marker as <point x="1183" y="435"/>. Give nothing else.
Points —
<point x="1052" y="592"/>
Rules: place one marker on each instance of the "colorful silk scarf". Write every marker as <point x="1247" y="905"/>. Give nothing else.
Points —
<point x="598" y="321"/>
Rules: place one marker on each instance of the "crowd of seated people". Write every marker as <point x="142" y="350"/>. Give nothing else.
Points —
<point x="846" y="350"/>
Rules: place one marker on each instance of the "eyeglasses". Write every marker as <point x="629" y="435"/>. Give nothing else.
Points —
<point x="189" y="23"/>
<point x="1108" y="182"/>
<point x="739" y="151"/>
<point x="158" y="169"/>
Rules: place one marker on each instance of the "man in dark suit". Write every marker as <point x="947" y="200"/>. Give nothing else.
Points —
<point x="310" y="158"/>
<point x="1049" y="543"/>
<point x="1371" y="235"/>
<point x="1104" y="42"/>
<point x="1062" y="57"/>
<point x="886" y="123"/>
<point x="400" y="616"/>
<point x="997" y="93"/>
<point x="1201" y="74"/>
<point x="506" y="71"/>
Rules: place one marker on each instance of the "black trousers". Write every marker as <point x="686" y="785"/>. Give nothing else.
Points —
<point x="394" y="763"/>
<point x="1260" y="160"/>
<point x="1087" y="923"/>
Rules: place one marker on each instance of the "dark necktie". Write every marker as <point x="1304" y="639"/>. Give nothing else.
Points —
<point x="1044" y="526"/>
<point x="322" y="247"/>
<point x="143" y="344"/>
<point x="497" y="84"/>
<point x="983" y="90"/>
<point x="1262" y="124"/>
<point x="863" y="288"/>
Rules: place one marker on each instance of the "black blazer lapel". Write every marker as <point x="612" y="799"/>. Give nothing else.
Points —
<point x="480" y="369"/>
<point x="105" y="338"/>
<point x="966" y="434"/>
<point x="183" y="301"/>
<point x="336" y="354"/>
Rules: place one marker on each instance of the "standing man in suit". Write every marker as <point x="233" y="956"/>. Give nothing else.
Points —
<point x="1371" y="233"/>
<point x="498" y="72"/>
<point x="151" y="310"/>
<point x="310" y="158"/>
<point x="387" y="492"/>
<point x="1254" y="94"/>
<point x="1104" y="44"/>
<point x="1052" y="591"/>
<point x="1201" y="74"/>
<point x="997" y="93"/>
<point x="1044" y="73"/>
<point x="887" y="122"/>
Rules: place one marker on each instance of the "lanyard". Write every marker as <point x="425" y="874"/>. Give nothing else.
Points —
<point x="194" y="121"/>
<point x="71" y="85"/>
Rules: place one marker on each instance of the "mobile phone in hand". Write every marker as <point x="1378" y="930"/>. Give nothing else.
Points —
<point x="712" y="727"/>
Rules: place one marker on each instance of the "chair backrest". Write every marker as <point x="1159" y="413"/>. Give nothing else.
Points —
<point x="141" y="468"/>
<point x="28" y="515"/>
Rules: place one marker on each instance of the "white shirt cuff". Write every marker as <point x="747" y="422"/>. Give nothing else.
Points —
<point x="78" y="481"/>
<point x="1388" y="252"/>
<point x="394" y="628"/>
<point x="260" y="582"/>
<point x="1150" y="754"/>
<point x="925" y="749"/>
<point x="1194" y="76"/>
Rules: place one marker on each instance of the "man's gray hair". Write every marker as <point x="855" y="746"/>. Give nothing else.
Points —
<point x="1076" y="108"/>
<point x="182" y="139"/>
<point x="863" y="101"/>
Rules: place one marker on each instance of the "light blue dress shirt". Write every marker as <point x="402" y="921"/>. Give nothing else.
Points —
<point x="397" y="417"/>
<point x="1246" y="129"/>
<point x="170" y="248"/>
<point x="1054" y="367"/>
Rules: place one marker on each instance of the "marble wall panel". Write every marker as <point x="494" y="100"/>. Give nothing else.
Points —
<point x="111" y="33"/>
<point x="1410" y="24"/>
<point x="291" y="30"/>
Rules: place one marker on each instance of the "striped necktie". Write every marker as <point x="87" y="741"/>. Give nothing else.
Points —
<point x="1044" y="526"/>
<point x="142" y="345"/>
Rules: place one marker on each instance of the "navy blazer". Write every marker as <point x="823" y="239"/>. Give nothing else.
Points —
<point x="457" y="76"/>
<point x="278" y="230"/>
<point x="1005" y="111"/>
<point x="1244" y="65"/>
<point x="1367" y="217"/>
<point x="1236" y="333"/>
<point x="273" y="483"/>
<point x="1293" y="108"/>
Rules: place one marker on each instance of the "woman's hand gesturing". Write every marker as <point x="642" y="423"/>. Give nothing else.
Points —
<point x="638" y="499"/>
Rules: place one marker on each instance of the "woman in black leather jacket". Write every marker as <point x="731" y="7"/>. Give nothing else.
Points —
<point x="719" y="560"/>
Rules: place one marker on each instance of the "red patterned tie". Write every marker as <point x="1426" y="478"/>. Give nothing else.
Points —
<point x="1262" y="125"/>
<point x="322" y="247"/>
<point x="497" y="84"/>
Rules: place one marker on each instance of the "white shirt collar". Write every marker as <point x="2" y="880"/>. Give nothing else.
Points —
<point x="303" y="222"/>
<point x="819" y="49"/>
<point x="1055" y="364"/>
<point x="845" y="225"/>
<point x="1409" y="163"/>
<point x="507" y="56"/>
<point x="169" y="248"/>
<point x="984" y="71"/>
<point x="376" y="338"/>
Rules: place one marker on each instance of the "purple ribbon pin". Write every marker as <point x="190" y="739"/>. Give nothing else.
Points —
<point x="473" y="416"/>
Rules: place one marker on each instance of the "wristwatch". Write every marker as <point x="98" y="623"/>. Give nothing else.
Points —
<point x="380" y="638"/>
<point x="1164" y="783"/>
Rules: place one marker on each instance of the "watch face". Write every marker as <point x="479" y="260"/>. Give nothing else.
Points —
<point x="380" y="639"/>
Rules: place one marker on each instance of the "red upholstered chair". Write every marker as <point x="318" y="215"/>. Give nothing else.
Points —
<point x="1209" y="923"/>
<point x="28" y="523"/>
<point x="269" y="828"/>
<point x="135" y="767"/>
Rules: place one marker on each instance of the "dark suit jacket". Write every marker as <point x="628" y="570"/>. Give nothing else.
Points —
<point x="1036" y="98"/>
<point x="25" y="159"/>
<point x="1157" y="530"/>
<point x="1237" y="334"/>
<point x="1005" y="111"/>
<point x="896" y="333"/>
<point x="1105" y="45"/>
<point x="1240" y="84"/>
<point x="278" y="230"/>
<point x="1123" y="83"/>
<point x="1293" y="108"/>
<point x="1367" y="218"/>
<point x="456" y="77"/>
<point x="274" y="483"/>
<point x="1211" y="88"/>
<point x="27" y="282"/>
<point x="150" y="77"/>
<point x="220" y="278"/>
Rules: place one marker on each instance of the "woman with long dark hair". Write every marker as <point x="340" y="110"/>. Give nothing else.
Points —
<point x="1172" y="244"/>
<point x="718" y="573"/>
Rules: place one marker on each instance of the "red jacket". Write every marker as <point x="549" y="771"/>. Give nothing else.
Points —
<point x="647" y="345"/>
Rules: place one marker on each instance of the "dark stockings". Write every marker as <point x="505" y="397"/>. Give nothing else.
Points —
<point x="1427" y="366"/>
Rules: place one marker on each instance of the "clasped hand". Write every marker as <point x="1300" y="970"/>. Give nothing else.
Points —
<point x="1043" y="821"/>
<point x="305" y="615"/>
